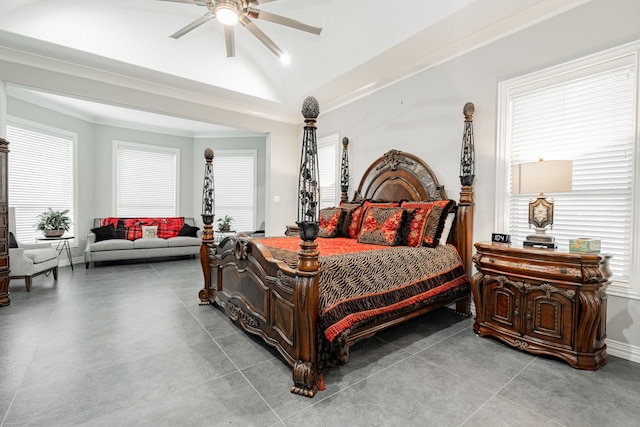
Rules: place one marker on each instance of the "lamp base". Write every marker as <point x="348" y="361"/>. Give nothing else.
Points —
<point x="542" y="245"/>
<point x="540" y="240"/>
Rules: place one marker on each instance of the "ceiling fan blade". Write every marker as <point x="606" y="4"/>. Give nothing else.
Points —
<point x="229" y="40"/>
<point x="283" y="20"/>
<point x="196" y="2"/>
<point x="261" y="36"/>
<point x="255" y="2"/>
<point x="192" y="26"/>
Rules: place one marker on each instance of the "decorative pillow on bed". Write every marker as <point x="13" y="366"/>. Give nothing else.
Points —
<point x="448" y="223"/>
<point x="382" y="226"/>
<point x="106" y="232"/>
<point x="149" y="231"/>
<point x="436" y="212"/>
<point x="358" y="214"/>
<point x="330" y="222"/>
<point x="188" y="231"/>
<point x="414" y="226"/>
<point x="348" y="209"/>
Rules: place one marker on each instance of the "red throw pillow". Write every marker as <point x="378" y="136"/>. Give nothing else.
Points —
<point x="330" y="222"/>
<point x="358" y="213"/>
<point x="381" y="226"/>
<point x="436" y="214"/>
<point x="169" y="226"/>
<point x="416" y="222"/>
<point x="348" y="209"/>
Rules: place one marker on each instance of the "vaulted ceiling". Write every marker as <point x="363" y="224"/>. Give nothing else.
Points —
<point x="364" y="45"/>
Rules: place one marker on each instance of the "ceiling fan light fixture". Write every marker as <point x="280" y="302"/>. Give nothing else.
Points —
<point x="227" y="12"/>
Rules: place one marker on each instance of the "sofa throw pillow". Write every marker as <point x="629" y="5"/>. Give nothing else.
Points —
<point x="13" y="243"/>
<point x="382" y="226"/>
<point x="169" y="226"/>
<point x="149" y="231"/>
<point x="330" y="222"/>
<point x="188" y="231"/>
<point x="105" y="232"/>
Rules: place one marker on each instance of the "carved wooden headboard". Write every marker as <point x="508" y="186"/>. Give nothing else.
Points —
<point x="399" y="176"/>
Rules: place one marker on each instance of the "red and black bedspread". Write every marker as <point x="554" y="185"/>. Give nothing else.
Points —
<point x="360" y="284"/>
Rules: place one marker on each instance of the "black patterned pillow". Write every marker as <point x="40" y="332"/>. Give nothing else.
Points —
<point x="13" y="243"/>
<point x="106" y="232"/>
<point x="188" y="231"/>
<point x="382" y="226"/>
<point x="330" y="222"/>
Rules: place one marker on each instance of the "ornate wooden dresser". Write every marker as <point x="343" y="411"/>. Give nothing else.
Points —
<point x="543" y="301"/>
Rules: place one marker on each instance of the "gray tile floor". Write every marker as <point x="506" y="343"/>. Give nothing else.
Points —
<point x="129" y="345"/>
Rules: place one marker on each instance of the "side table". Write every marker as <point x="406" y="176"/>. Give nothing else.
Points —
<point x="543" y="301"/>
<point x="63" y="245"/>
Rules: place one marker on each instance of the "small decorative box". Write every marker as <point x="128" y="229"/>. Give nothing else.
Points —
<point x="584" y="245"/>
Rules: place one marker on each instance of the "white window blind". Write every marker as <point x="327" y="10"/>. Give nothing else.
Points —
<point x="327" y="165"/>
<point x="586" y="115"/>
<point x="41" y="169"/>
<point x="146" y="180"/>
<point x="234" y="174"/>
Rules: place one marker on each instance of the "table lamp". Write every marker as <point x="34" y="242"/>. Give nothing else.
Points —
<point x="550" y="176"/>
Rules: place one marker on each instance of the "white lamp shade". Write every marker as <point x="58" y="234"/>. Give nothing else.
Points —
<point x="543" y="176"/>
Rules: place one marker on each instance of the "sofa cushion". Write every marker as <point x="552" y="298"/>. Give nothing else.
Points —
<point x="149" y="243"/>
<point x="183" y="241"/>
<point x="112" y="245"/>
<point x="188" y="231"/>
<point x="39" y="255"/>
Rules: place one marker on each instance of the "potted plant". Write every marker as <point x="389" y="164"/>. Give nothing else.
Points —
<point x="224" y="223"/>
<point x="53" y="223"/>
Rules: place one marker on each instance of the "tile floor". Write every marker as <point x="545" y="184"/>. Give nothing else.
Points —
<point x="126" y="345"/>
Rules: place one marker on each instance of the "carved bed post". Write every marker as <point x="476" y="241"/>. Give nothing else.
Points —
<point x="305" y="368"/>
<point x="465" y="205"/>
<point x="208" y="213"/>
<point x="344" y="171"/>
<point x="4" y="218"/>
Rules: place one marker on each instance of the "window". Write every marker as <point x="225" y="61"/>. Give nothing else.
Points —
<point x="328" y="170"/>
<point x="583" y="111"/>
<point x="41" y="174"/>
<point x="146" y="180"/>
<point x="234" y="174"/>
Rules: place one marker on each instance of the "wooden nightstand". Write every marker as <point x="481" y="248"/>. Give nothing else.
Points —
<point x="543" y="301"/>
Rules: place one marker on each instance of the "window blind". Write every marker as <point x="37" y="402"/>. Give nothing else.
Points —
<point x="40" y="176"/>
<point x="327" y="163"/>
<point x="146" y="180"/>
<point x="588" y="117"/>
<point x="234" y="174"/>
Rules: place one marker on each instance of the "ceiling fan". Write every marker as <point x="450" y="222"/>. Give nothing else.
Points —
<point x="231" y="12"/>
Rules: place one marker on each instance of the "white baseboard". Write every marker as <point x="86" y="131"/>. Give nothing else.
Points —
<point x="623" y="350"/>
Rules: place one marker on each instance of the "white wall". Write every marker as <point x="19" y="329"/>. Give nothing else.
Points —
<point x="423" y="115"/>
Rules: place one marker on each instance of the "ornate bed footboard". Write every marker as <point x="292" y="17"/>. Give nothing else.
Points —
<point x="269" y="299"/>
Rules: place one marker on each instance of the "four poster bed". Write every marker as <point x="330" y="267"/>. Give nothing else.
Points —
<point x="313" y="298"/>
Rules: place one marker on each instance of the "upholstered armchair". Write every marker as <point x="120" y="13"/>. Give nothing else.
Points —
<point x="29" y="260"/>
